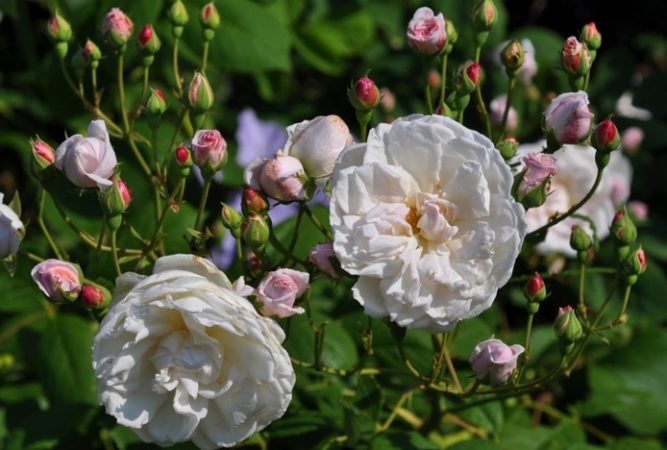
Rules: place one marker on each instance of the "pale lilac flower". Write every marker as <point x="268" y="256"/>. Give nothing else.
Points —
<point x="494" y="361"/>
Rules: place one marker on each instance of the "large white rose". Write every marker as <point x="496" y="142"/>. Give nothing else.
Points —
<point x="575" y="175"/>
<point x="423" y="214"/>
<point x="181" y="356"/>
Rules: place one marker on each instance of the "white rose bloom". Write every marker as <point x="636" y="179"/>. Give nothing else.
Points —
<point x="11" y="230"/>
<point x="423" y="214"/>
<point x="575" y="175"/>
<point x="181" y="356"/>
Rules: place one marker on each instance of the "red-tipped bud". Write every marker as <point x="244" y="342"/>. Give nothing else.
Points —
<point x="43" y="153"/>
<point x="534" y="290"/>
<point x="253" y="202"/>
<point x="567" y="327"/>
<point x="91" y="53"/>
<point x="59" y="29"/>
<point x="606" y="137"/>
<point x="484" y="15"/>
<point x="125" y="193"/>
<point x="148" y="40"/>
<point x="508" y="147"/>
<point x="210" y="17"/>
<point x="623" y="228"/>
<point x="634" y="265"/>
<point x="365" y="94"/>
<point x="591" y="36"/>
<point x="183" y="156"/>
<point x="575" y="57"/>
<point x="94" y="296"/>
<point x="468" y="77"/>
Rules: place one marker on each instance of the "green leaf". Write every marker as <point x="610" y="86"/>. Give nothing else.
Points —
<point x="633" y="443"/>
<point x="61" y="353"/>
<point x="252" y="38"/>
<point x="489" y="416"/>
<point x="630" y="385"/>
<point x="339" y="349"/>
<point x="402" y="441"/>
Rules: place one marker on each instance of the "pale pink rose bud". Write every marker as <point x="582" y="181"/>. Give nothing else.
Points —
<point x="210" y="149"/>
<point x="496" y="111"/>
<point x="572" y="55"/>
<point x="317" y="144"/>
<point x="283" y="178"/>
<point x="631" y="139"/>
<point x="426" y="31"/>
<point x="364" y="95"/>
<point x="568" y="118"/>
<point x="58" y="280"/>
<point x="117" y="27"/>
<point x="638" y="209"/>
<point x="88" y="161"/>
<point x="43" y="153"/>
<point x="279" y="289"/>
<point x="539" y="167"/>
<point x="321" y="255"/>
<point x="493" y="361"/>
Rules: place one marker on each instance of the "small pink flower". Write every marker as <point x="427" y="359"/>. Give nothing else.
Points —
<point x="631" y="139"/>
<point x="494" y="360"/>
<point x="209" y="147"/>
<point x="283" y="178"/>
<point x="497" y="109"/>
<point x="321" y="256"/>
<point x="638" y="209"/>
<point x="426" y="31"/>
<point x="279" y="289"/>
<point x="58" y="280"/>
<point x="539" y="167"/>
<point x="569" y="118"/>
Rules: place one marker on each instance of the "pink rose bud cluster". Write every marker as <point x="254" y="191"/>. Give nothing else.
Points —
<point x="568" y="119"/>
<point x="322" y="256"/>
<point x="117" y="28"/>
<point x="531" y="186"/>
<point x="494" y="361"/>
<point x="426" y="32"/>
<point x="606" y="137"/>
<point x="88" y="161"/>
<point x="11" y="229"/>
<point x="58" y="280"/>
<point x="631" y="140"/>
<point x="278" y="291"/>
<point x="210" y="151"/>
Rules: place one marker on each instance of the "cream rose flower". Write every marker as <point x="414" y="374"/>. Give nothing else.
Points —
<point x="423" y="214"/>
<point x="575" y="175"/>
<point x="181" y="356"/>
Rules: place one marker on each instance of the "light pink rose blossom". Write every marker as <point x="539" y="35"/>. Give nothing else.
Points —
<point x="631" y="139"/>
<point x="568" y="117"/>
<point x="58" y="280"/>
<point x="116" y="21"/>
<point x="281" y="178"/>
<point x="279" y="289"/>
<point x="426" y="31"/>
<point x="494" y="360"/>
<point x="209" y="146"/>
<point x="321" y="256"/>
<point x="539" y="166"/>
<point x="88" y="161"/>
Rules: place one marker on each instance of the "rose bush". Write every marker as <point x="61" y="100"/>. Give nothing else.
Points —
<point x="423" y="214"/>
<point x="182" y="356"/>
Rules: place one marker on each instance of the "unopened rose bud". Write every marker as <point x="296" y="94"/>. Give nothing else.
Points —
<point x="467" y="77"/>
<point x="623" y="228"/>
<point x="59" y="29"/>
<point x="183" y="156"/>
<point x="631" y="139"/>
<point x="535" y="290"/>
<point x="178" y="15"/>
<point x="278" y="291"/>
<point x="43" y="154"/>
<point x="426" y="31"/>
<point x="512" y="57"/>
<point x="200" y="94"/>
<point x="580" y="242"/>
<point x="494" y="361"/>
<point x="387" y="100"/>
<point x="210" y="17"/>
<point x="508" y="147"/>
<point x="606" y="137"/>
<point x="92" y="54"/>
<point x="231" y="219"/>
<point x="283" y="178"/>
<point x="253" y="202"/>
<point x="567" y="327"/>
<point x="575" y="57"/>
<point x="364" y="95"/>
<point x="497" y="112"/>
<point x="117" y="28"/>
<point x="210" y="151"/>
<point x="94" y="296"/>
<point x="12" y="229"/>
<point x="634" y="265"/>
<point x="255" y="231"/>
<point x="155" y="106"/>
<point x="591" y="36"/>
<point x="322" y="256"/>
<point x="317" y="143"/>
<point x="116" y="199"/>
<point x="568" y="118"/>
<point x="452" y="36"/>
<point x="531" y="186"/>
<point x="58" y="280"/>
<point x="484" y="16"/>
<point x="149" y="41"/>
